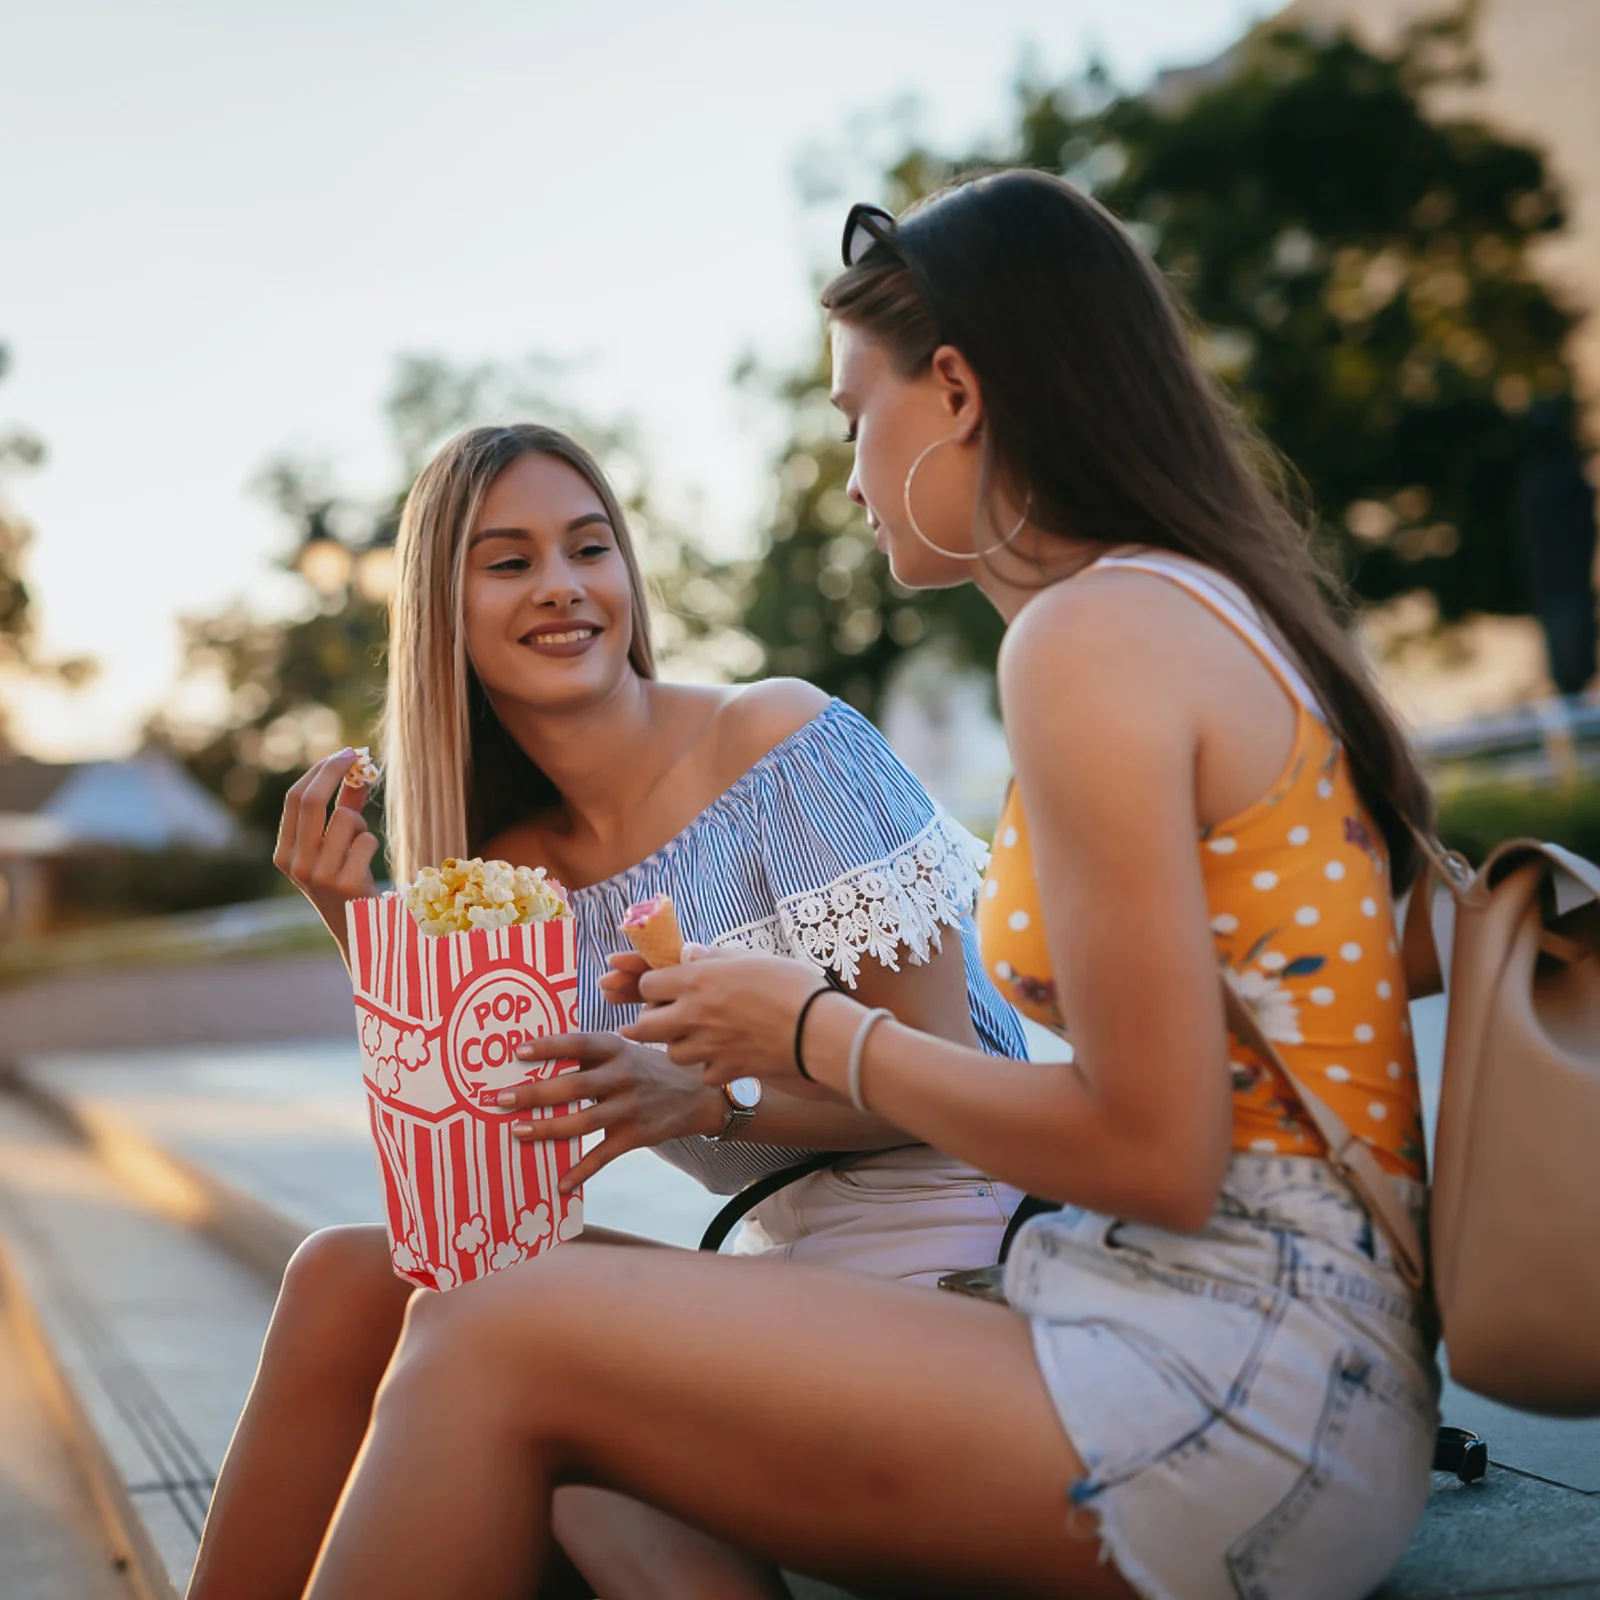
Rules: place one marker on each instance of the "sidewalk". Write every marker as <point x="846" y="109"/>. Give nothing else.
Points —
<point x="287" y="1124"/>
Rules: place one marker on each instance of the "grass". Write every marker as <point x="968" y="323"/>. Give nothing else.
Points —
<point x="1476" y="817"/>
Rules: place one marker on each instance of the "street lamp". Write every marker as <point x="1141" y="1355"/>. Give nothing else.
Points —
<point x="322" y="560"/>
<point x="375" y="574"/>
<point x="335" y="567"/>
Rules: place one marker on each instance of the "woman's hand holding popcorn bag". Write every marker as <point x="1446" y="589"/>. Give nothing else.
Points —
<point x="638" y="1098"/>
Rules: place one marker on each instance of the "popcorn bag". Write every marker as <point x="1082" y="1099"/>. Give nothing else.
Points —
<point x="440" y="1017"/>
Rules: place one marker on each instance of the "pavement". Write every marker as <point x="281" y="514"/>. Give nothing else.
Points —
<point x="51" y="1542"/>
<point x="118" y="1008"/>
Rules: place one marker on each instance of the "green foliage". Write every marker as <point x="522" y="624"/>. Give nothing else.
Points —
<point x="18" y="652"/>
<point x="16" y="604"/>
<point x="295" y="690"/>
<point x="1361" y="276"/>
<point x="119" y="883"/>
<point x="1475" y="819"/>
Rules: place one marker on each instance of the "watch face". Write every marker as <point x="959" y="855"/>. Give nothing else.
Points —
<point x="745" y="1093"/>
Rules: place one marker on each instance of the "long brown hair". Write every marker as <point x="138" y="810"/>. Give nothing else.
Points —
<point x="1096" y="406"/>
<point x="455" y="777"/>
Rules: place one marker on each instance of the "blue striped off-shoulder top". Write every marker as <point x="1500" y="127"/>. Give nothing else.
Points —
<point x="827" y="849"/>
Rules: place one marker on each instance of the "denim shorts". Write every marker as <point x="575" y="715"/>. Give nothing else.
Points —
<point x="1254" y="1404"/>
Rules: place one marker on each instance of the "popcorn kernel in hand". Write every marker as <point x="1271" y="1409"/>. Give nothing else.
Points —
<point x="363" y="772"/>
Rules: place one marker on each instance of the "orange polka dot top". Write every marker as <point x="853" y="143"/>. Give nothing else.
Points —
<point x="1301" y="911"/>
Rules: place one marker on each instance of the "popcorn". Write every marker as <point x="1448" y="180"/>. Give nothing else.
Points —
<point x="363" y="772"/>
<point x="457" y="896"/>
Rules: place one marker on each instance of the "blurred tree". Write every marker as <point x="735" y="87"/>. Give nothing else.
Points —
<point x="1361" y="271"/>
<point x="296" y="688"/>
<point x="1555" y="516"/>
<point x="1364" y="277"/>
<point x="18" y="647"/>
<point x="17" y="449"/>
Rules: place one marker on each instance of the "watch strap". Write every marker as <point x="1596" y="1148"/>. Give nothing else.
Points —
<point x="735" y="1118"/>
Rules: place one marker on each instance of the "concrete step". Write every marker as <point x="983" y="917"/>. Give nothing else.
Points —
<point x="111" y="1008"/>
<point x="52" y="1542"/>
<point x="144" y="1333"/>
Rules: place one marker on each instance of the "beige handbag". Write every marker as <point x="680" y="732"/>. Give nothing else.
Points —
<point x="1515" y="1209"/>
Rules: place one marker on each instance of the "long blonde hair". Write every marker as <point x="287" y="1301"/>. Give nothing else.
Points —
<point x="454" y="776"/>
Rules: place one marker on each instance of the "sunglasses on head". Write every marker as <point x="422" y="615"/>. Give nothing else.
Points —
<point x="866" y="226"/>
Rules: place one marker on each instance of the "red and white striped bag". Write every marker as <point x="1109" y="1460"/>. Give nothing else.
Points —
<point x="440" y="1018"/>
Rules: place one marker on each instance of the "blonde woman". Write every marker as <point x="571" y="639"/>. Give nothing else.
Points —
<point x="524" y="720"/>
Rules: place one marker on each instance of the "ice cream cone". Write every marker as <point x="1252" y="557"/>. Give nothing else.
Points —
<point x="651" y="927"/>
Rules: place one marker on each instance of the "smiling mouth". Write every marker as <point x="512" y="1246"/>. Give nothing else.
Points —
<point x="578" y="635"/>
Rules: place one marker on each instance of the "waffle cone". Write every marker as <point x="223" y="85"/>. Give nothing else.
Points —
<point x="659" y="940"/>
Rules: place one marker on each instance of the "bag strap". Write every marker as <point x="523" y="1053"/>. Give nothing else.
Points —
<point x="1347" y="1155"/>
<point x="1447" y="881"/>
<point x="1029" y="1207"/>
<point x="749" y="1197"/>
<point x="1444" y="880"/>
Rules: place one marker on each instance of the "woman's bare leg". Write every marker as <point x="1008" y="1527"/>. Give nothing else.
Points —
<point x="629" y="1551"/>
<point x="865" y="1431"/>
<point x="333" y="1332"/>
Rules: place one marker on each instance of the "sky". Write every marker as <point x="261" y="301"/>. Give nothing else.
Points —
<point x="220" y="222"/>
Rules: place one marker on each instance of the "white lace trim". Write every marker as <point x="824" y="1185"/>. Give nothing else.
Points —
<point x="899" y="902"/>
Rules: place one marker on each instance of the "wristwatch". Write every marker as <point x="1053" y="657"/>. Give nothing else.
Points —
<point x="743" y="1097"/>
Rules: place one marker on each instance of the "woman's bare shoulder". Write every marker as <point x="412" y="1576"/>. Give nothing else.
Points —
<point x="1111" y="635"/>
<point x="757" y="717"/>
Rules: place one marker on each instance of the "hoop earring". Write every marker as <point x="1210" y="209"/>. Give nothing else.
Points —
<point x="939" y="549"/>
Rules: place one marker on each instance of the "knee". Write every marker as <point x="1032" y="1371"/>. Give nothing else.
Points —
<point x="439" y="1349"/>
<point x="523" y="1322"/>
<point x="342" y="1262"/>
<point x="339" y="1292"/>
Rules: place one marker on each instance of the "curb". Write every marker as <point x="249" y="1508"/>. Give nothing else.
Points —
<point x="173" y="1186"/>
<point x="132" y="1551"/>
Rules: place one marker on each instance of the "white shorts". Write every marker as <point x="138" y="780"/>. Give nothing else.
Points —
<point x="911" y="1214"/>
<point x="1255" y="1404"/>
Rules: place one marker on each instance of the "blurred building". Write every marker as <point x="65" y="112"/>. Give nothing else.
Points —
<point x="1541" y="84"/>
<point x="53" y="812"/>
